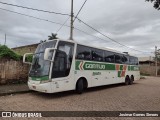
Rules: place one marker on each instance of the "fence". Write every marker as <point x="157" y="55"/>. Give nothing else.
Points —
<point x="12" y="71"/>
<point x="149" y="70"/>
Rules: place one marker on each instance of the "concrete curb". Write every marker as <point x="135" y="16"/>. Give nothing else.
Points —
<point x="16" y="92"/>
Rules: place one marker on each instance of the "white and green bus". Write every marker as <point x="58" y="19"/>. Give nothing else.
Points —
<point x="60" y="65"/>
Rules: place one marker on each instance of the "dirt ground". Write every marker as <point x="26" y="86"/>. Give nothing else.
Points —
<point x="143" y="95"/>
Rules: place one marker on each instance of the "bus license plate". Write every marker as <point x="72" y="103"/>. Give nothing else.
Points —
<point x="34" y="87"/>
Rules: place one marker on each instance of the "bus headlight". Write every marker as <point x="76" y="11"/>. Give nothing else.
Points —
<point x="45" y="81"/>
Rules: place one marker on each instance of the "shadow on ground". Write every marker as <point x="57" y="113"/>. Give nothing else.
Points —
<point x="73" y="93"/>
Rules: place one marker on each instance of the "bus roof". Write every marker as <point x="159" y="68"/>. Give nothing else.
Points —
<point x="102" y="48"/>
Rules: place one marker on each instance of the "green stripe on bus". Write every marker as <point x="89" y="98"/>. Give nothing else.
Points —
<point x="119" y="73"/>
<point x="134" y="68"/>
<point x="77" y="65"/>
<point x="86" y="65"/>
<point x="40" y="78"/>
<point x="129" y="68"/>
<point x="82" y="65"/>
<point x="121" y="67"/>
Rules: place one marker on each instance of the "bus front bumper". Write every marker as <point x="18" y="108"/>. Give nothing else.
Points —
<point x="36" y="86"/>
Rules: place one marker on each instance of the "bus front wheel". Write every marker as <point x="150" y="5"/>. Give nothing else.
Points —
<point x="80" y="86"/>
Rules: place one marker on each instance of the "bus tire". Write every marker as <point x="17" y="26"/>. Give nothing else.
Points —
<point x="127" y="80"/>
<point x="79" y="86"/>
<point x="131" y="80"/>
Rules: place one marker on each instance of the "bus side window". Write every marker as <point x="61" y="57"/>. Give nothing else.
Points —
<point x="136" y="61"/>
<point x="97" y="55"/>
<point x="125" y="59"/>
<point x="80" y="56"/>
<point x="109" y="56"/>
<point x="130" y="60"/>
<point x="118" y="58"/>
<point x="83" y="53"/>
<point x="133" y="60"/>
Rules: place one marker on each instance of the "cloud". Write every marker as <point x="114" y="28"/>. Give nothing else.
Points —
<point x="133" y="23"/>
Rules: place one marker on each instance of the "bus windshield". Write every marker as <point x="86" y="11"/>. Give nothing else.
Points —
<point x="40" y="67"/>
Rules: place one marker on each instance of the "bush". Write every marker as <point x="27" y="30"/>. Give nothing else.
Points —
<point x="29" y="58"/>
<point x="7" y="53"/>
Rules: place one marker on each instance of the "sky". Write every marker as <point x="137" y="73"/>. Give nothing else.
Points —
<point x="135" y="24"/>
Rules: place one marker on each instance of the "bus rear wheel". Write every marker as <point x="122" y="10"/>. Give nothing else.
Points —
<point x="127" y="80"/>
<point x="131" y="80"/>
<point x="79" y="86"/>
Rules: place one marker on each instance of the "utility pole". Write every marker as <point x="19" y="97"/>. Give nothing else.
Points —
<point x="5" y="40"/>
<point x="150" y="60"/>
<point x="156" y="59"/>
<point x="72" y="15"/>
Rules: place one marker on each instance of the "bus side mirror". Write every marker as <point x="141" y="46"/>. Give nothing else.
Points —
<point x="47" y="53"/>
<point x="24" y="58"/>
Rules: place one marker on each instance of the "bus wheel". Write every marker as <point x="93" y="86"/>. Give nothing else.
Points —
<point x="131" y="80"/>
<point x="80" y="86"/>
<point x="127" y="80"/>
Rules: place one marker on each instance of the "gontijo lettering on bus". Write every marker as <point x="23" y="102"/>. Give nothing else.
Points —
<point x="85" y="65"/>
<point x="120" y="68"/>
<point x="90" y="65"/>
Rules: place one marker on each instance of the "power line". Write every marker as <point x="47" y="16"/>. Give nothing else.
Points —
<point x="90" y="34"/>
<point x="47" y="12"/>
<point x="51" y="22"/>
<point x="62" y="25"/>
<point x="34" y="9"/>
<point x="80" y="10"/>
<point x="75" y="28"/>
<point x="74" y="17"/>
<point x="108" y="37"/>
<point x="11" y="35"/>
<point x="32" y="17"/>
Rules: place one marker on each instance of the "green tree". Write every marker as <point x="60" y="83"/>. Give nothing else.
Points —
<point x="156" y="3"/>
<point x="158" y="58"/>
<point x="7" y="53"/>
<point x="52" y="36"/>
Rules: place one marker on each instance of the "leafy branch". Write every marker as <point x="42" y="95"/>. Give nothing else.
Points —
<point x="7" y="53"/>
<point x="156" y="3"/>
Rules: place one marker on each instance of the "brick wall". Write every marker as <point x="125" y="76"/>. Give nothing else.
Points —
<point x="150" y="70"/>
<point x="12" y="71"/>
<point x="25" y="49"/>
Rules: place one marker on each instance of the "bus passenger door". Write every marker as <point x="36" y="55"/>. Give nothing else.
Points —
<point x="61" y="70"/>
